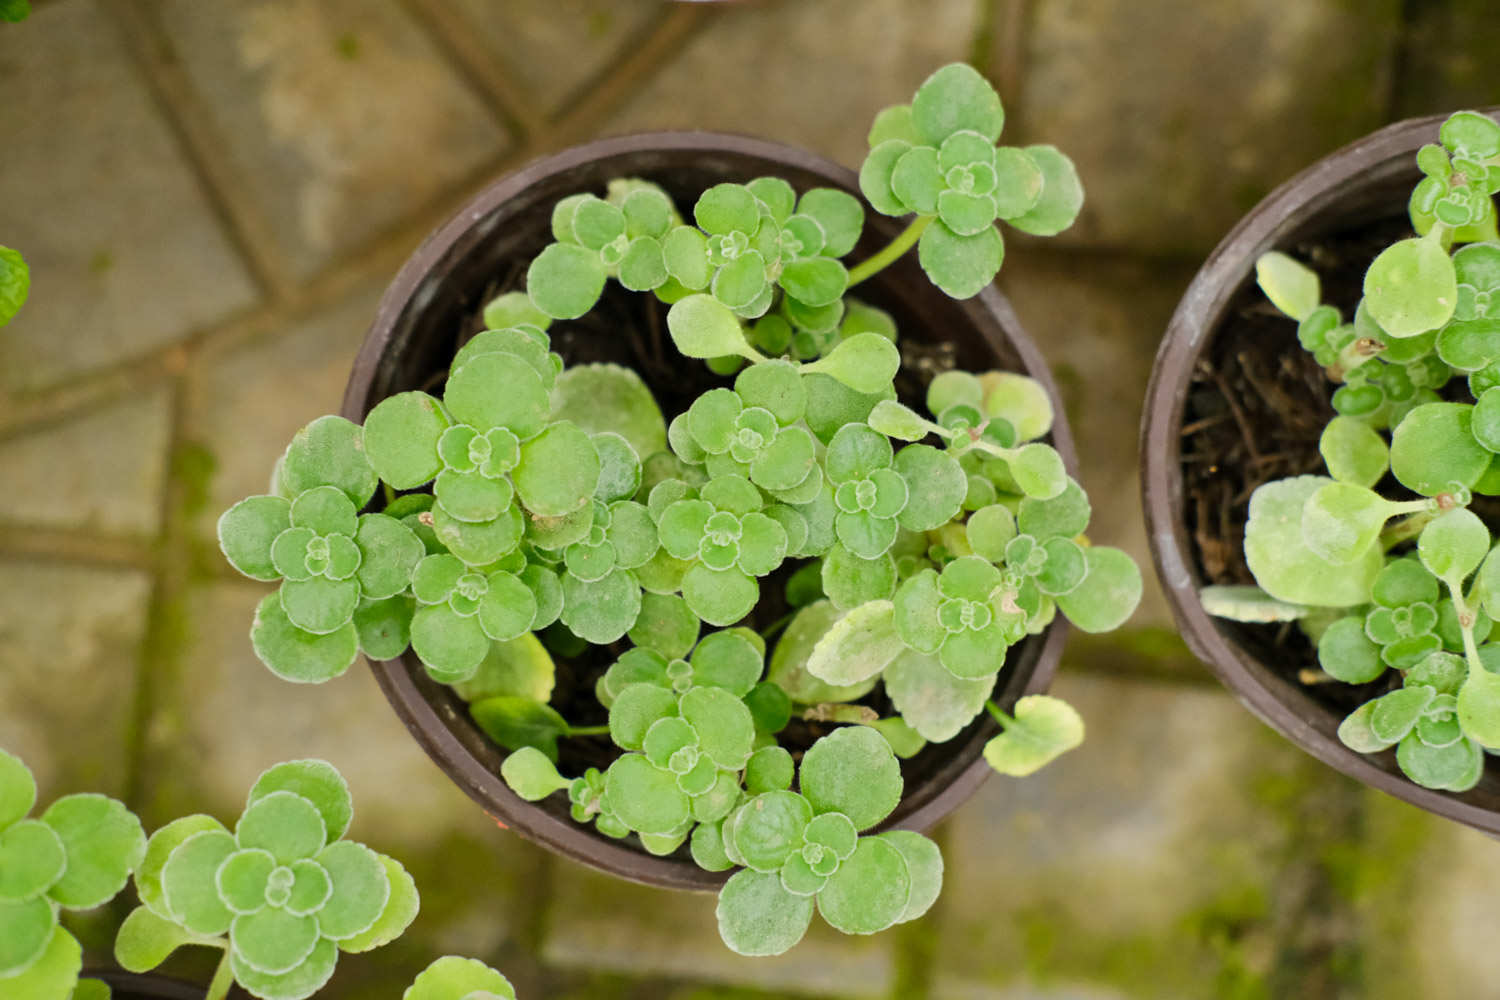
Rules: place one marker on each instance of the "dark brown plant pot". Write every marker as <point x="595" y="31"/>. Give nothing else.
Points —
<point x="1340" y="211"/>
<point x="129" y="986"/>
<point x="445" y="282"/>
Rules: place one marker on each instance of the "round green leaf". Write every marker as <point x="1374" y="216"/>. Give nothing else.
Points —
<point x="1341" y="521"/>
<point x="17" y="789"/>
<point x="558" y="472"/>
<point x="636" y="708"/>
<point x="401" y="436"/>
<point x="498" y="390"/>
<point x="770" y="769"/>
<point x="932" y="700"/>
<point x="1411" y="287"/>
<point x="962" y="266"/>
<point x="564" y="281"/>
<point x="758" y="916"/>
<point x="1291" y="286"/>
<point x="876" y="174"/>
<point x="924" y="868"/>
<point x="703" y="327"/>
<point x="768" y="828"/>
<point x="1042" y="729"/>
<point x="601" y="611"/>
<point x="26" y="929"/>
<point x="189" y="893"/>
<point x="815" y="281"/>
<point x="1433" y="450"/>
<point x="247" y="530"/>
<point x="146" y="939"/>
<point x="303" y="981"/>
<point x="1109" y="592"/>
<point x="643" y="796"/>
<point x="316" y="781"/>
<point x="852" y="771"/>
<point x="389" y="552"/>
<point x="283" y="823"/>
<point x="104" y="844"/>
<point x="531" y="775"/>
<point x="295" y="654"/>
<point x="52" y="974"/>
<point x="667" y="625"/>
<point x="361" y="890"/>
<point x="454" y="978"/>
<point x="1353" y="451"/>
<point x="32" y="859"/>
<point x="330" y="451"/>
<point x="936" y="484"/>
<point x="850" y="581"/>
<point x="1274" y="548"/>
<point x="727" y="208"/>
<point x="1061" y="198"/>
<point x="399" y="911"/>
<point x="719" y="597"/>
<point x="858" y="646"/>
<point x="1453" y="545"/>
<point x="1038" y="470"/>
<point x="1020" y="400"/>
<point x="1345" y="652"/>
<point x="870" y="891"/>
<point x="839" y="213"/>
<point x="605" y="397"/>
<point x="953" y="99"/>
<point x="726" y="731"/>
<point x="865" y="363"/>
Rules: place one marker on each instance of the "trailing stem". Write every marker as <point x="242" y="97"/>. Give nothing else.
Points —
<point x="892" y="251"/>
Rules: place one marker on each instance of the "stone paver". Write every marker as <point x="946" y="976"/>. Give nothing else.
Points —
<point x="601" y="923"/>
<point x="243" y="406"/>
<point x="99" y="471"/>
<point x="1182" y="115"/>
<point x="1448" y="59"/>
<point x="125" y="252"/>
<point x="338" y="117"/>
<point x="849" y="58"/>
<point x="1149" y="863"/>
<point x="555" y="49"/>
<point x="70" y="643"/>
<point x="222" y="718"/>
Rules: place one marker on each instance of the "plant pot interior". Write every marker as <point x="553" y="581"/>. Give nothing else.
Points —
<point x="436" y="303"/>
<point x="1237" y="402"/>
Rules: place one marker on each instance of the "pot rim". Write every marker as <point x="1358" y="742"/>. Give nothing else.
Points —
<point x="162" y="987"/>
<point x="1383" y="155"/>
<point x="577" y="842"/>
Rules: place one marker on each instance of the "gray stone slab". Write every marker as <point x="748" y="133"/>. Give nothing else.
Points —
<point x="811" y="73"/>
<point x="1181" y="115"/>
<point x="1098" y="321"/>
<point x="70" y="642"/>
<point x="1158" y="860"/>
<point x="222" y="718"/>
<point x="125" y="251"/>
<point x="340" y="118"/>
<point x="243" y="405"/>
<point x="100" y="471"/>
<point x="555" y="48"/>
<point x="603" y="924"/>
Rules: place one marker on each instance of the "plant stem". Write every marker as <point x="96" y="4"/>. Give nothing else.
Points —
<point x="390" y="494"/>
<point x="1005" y="721"/>
<point x="588" y="730"/>
<point x="777" y="625"/>
<point x="1465" y="624"/>
<point x="223" y="979"/>
<point x="893" y="250"/>
<point x="1406" y="530"/>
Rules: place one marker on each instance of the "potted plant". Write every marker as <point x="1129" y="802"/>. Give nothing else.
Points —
<point x="631" y="637"/>
<point x="282" y="894"/>
<point x="1319" y="454"/>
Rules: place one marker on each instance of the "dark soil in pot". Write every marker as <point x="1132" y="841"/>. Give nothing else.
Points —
<point x="435" y="301"/>
<point x="1236" y="402"/>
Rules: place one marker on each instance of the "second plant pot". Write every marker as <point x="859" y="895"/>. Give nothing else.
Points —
<point x="1234" y="402"/>
<point x="482" y="251"/>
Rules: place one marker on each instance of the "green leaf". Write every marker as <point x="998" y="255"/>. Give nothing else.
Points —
<point x="565" y="280"/>
<point x="384" y="627"/>
<point x="15" y="276"/>
<point x="187" y="881"/>
<point x="839" y="213"/>
<point x="317" y="781"/>
<point x="770" y="769"/>
<point x="1433" y="450"/>
<point x="17" y="789"/>
<point x="400" y="910"/>
<point x="643" y="796"/>
<point x="727" y="208"/>
<point x="1292" y="287"/>
<point x="1411" y="287"/>
<point x="1396" y="713"/>
<point x="401" y="437"/>
<point x="865" y="363"/>
<point x="934" y="702"/>
<point x="858" y="646"/>
<point x="104" y="844"/>
<point x="1356" y="733"/>
<point x="514" y="309"/>
<point x="515" y="722"/>
<point x="146" y="939"/>
<point x="532" y="775"/>
<point x="607" y="397"/>
<point x="53" y="974"/>
<point x="852" y="771"/>
<point x="1346" y="652"/>
<point x="558" y="471"/>
<point x="1282" y="563"/>
<point x="1353" y="451"/>
<point x="924" y="869"/>
<point x="894" y="122"/>
<point x="768" y="829"/>
<point x="285" y="824"/>
<point x="953" y="99"/>
<point x="849" y="580"/>
<point x="34" y="860"/>
<point x="454" y="978"/>
<point x="1043" y="728"/>
<point x="1479" y="707"/>
<point x="936" y="487"/>
<point x="1038" y="469"/>
<point x="1020" y="400"/>
<point x="1109" y="593"/>
<point x="330" y="451"/>
<point x="789" y="659"/>
<point x="303" y="981"/>
<point x="361" y="890"/>
<point x="757" y="916"/>
<point x="247" y="530"/>
<point x="870" y="891"/>
<point x="1453" y="545"/>
<point x="1061" y="198"/>
<point x="295" y="654"/>
<point x="876" y="175"/>
<point x="26" y="930"/>
<point x="703" y="327"/>
<point x="962" y="266"/>
<point x="1341" y="521"/>
<point x="1456" y="767"/>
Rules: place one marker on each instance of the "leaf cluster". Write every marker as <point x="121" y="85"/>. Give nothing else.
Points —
<point x="1400" y="591"/>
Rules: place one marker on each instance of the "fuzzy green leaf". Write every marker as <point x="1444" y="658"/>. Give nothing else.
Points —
<point x="758" y="916"/>
<point x="930" y="698"/>
<point x="1043" y="728"/>
<point x="104" y="844"/>
<point x="858" y="646"/>
<point x="870" y="891"/>
<point x="1282" y="563"/>
<point x="962" y="266"/>
<point x="454" y="978"/>
<point x="1433" y="449"/>
<point x="532" y="775"/>
<point x="1061" y="198"/>
<point x="515" y="722"/>
<point x="1411" y="287"/>
<point x="956" y="98"/>
<point x="146" y="939"/>
<point x="1291" y="286"/>
<point x="852" y="771"/>
<point x="1453" y="545"/>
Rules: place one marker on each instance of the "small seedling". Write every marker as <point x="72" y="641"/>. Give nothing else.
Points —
<point x="530" y="508"/>
<point x="281" y="894"/>
<point x="77" y="855"/>
<point x="1383" y="561"/>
